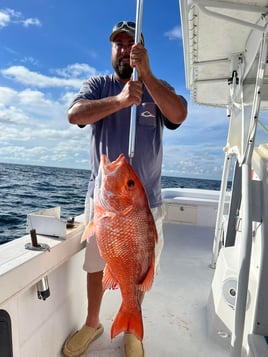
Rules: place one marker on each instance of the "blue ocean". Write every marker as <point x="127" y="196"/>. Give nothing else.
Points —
<point x="25" y="189"/>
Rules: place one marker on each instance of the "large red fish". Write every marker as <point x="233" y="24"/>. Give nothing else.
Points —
<point x="126" y="237"/>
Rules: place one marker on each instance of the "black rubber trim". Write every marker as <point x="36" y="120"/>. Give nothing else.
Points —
<point x="5" y="335"/>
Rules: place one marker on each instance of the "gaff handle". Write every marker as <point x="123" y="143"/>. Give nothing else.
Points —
<point x="132" y="128"/>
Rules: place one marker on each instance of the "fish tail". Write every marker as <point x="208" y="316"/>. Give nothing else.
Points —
<point x="148" y="281"/>
<point x="126" y="321"/>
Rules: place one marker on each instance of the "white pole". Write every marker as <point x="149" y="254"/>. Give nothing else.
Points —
<point x="219" y="220"/>
<point x="132" y="129"/>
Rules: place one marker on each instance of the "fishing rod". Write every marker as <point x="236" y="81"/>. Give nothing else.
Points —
<point x="132" y="128"/>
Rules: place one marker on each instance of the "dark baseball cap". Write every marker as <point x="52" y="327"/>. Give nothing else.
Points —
<point x="125" y="26"/>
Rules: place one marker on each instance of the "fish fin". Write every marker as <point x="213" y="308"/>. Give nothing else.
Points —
<point x="149" y="278"/>
<point x="88" y="232"/>
<point x="108" y="215"/>
<point x="155" y="235"/>
<point x="126" y="321"/>
<point x="108" y="281"/>
<point x="154" y="231"/>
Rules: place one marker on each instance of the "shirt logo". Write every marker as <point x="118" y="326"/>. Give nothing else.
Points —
<point x="147" y="114"/>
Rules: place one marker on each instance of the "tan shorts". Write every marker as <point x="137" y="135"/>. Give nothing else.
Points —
<point x="94" y="262"/>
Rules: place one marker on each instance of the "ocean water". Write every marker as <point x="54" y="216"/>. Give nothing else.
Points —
<point x="25" y="189"/>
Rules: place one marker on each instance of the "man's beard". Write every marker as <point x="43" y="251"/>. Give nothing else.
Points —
<point x="123" y="70"/>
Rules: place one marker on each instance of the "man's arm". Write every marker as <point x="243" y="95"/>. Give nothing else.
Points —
<point x="85" y="111"/>
<point x="170" y="104"/>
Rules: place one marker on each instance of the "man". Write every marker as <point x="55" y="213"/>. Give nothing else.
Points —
<point x="105" y="103"/>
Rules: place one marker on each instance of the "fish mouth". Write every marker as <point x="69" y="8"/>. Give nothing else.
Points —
<point x="110" y="167"/>
<point x="106" y="168"/>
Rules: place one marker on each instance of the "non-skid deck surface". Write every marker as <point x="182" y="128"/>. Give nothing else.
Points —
<point x="174" y="311"/>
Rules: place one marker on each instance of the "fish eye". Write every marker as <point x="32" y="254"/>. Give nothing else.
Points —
<point x="131" y="183"/>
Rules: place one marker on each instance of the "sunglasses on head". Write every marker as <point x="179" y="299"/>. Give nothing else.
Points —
<point x="128" y="24"/>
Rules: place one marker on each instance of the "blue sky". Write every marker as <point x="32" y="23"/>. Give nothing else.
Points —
<point x="47" y="49"/>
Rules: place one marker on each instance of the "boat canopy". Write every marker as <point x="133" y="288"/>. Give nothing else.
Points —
<point x="225" y="51"/>
<point x="221" y="42"/>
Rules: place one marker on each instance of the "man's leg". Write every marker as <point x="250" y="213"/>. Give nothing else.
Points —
<point x="94" y="296"/>
<point x="78" y="343"/>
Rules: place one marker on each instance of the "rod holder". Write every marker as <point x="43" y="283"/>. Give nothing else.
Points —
<point x="43" y="291"/>
<point x="34" y="245"/>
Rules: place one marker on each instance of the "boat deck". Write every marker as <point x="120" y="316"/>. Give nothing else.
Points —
<point x="174" y="311"/>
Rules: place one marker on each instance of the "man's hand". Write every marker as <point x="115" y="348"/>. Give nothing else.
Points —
<point x="139" y="59"/>
<point x="130" y="94"/>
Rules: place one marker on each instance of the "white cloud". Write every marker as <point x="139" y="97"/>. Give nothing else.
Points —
<point x="8" y="16"/>
<point x="12" y="115"/>
<point x="27" y="105"/>
<point x="71" y="76"/>
<point x="29" y="60"/>
<point x="7" y="94"/>
<point x="34" y="129"/>
<point x="174" y="33"/>
<point x="36" y="143"/>
<point x="4" y="18"/>
<point x="23" y="75"/>
<point x="77" y="70"/>
<point x="196" y="148"/>
<point x="31" y="22"/>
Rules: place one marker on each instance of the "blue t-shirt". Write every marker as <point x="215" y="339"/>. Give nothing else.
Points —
<point x="110" y="135"/>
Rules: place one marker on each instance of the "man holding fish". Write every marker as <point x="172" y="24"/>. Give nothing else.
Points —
<point x="127" y="198"/>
